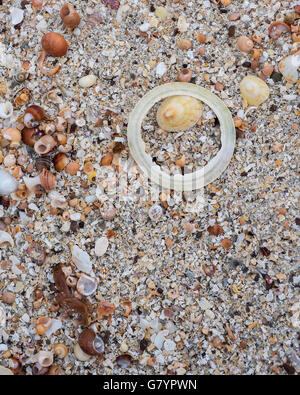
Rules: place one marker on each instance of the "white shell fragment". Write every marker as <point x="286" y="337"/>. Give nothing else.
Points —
<point x="86" y="285"/>
<point x="205" y="175"/>
<point x="16" y="15"/>
<point x="81" y="259"/>
<point x="5" y="371"/>
<point x="8" y="183"/>
<point x="6" y="110"/>
<point x="101" y="246"/>
<point x="54" y="326"/>
<point x="5" y="238"/>
<point x="288" y="67"/>
<point x="254" y="90"/>
<point x="87" y="81"/>
<point x="2" y="316"/>
<point x="57" y="200"/>
<point x="160" y="69"/>
<point x="155" y="212"/>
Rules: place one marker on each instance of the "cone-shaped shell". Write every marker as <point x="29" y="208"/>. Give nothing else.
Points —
<point x="179" y="113"/>
<point x="254" y="90"/>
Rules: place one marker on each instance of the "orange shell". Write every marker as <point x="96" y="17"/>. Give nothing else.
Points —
<point x="54" y="44"/>
<point x="69" y="16"/>
<point x="47" y="180"/>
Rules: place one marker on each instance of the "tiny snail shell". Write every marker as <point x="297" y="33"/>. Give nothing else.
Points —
<point x="6" y="110"/>
<point x="72" y="168"/>
<point x="80" y="354"/>
<point x="37" y="253"/>
<point x="71" y="281"/>
<point x="33" y="115"/>
<point x="90" y="343"/>
<point x="254" y="90"/>
<point x="38" y="370"/>
<point x="245" y="44"/>
<point x="8" y="184"/>
<point x="86" y="285"/>
<point x="42" y="325"/>
<point x="209" y="270"/>
<point x="47" y="180"/>
<point x="267" y="69"/>
<point x="185" y="44"/>
<point x="288" y="67"/>
<point x="22" y="97"/>
<point x="276" y="28"/>
<point x="69" y="16"/>
<point x="61" y="138"/>
<point x="43" y="162"/>
<point x="20" y="76"/>
<point x="124" y="361"/>
<point x="45" y="358"/>
<point x="179" y="113"/>
<point x="60" y="350"/>
<point x="44" y="145"/>
<point x="155" y="212"/>
<point x="185" y="75"/>
<point x="12" y="135"/>
<point x="60" y="161"/>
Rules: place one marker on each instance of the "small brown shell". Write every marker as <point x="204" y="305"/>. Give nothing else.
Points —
<point x="47" y="180"/>
<point x="12" y="135"/>
<point x="72" y="304"/>
<point x="215" y="230"/>
<point x="245" y="44"/>
<point x="276" y="28"/>
<point x="69" y="16"/>
<point x="60" y="350"/>
<point x="209" y="270"/>
<point x="15" y="365"/>
<point x="61" y="138"/>
<point x="124" y="361"/>
<point x="60" y="161"/>
<point x="185" y="75"/>
<point x="60" y="279"/>
<point x="36" y="253"/>
<point x="90" y="343"/>
<point x="42" y="325"/>
<point x="106" y="159"/>
<point x="105" y="309"/>
<point x="33" y="115"/>
<point x="22" y="97"/>
<point x="54" y="44"/>
<point x="44" y="145"/>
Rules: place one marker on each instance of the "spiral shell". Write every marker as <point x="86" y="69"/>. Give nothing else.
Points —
<point x="47" y="180"/>
<point x="90" y="343"/>
<point x="179" y="113"/>
<point x="245" y="44"/>
<point x="43" y="162"/>
<point x="44" y="145"/>
<point x="33" y="115"/>
<point x="80" y="354"/>
<point x="22" y="97"/>
<point x="60" y="161"/>
<point x="20" y="76"/>
<point x="288" y="67"/>
<point x="276" y="28"/>
<point x="12" y="135"/>
<point x="254" y="90"/>
<point x="60" y="350"/>
<point x="42" y="325"/>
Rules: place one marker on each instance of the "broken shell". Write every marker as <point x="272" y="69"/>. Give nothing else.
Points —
<point x="179" y="113"/>
<point x="44" y="145"/>
<point x="32" y="183"/>
<point x="45" y="358"/>
<point x="105" y="309"/>
<point x="5" y="238"/>
<point x="90" y="343"/>
<point x="61" y="138"/>
<point x="2" y="316"/>
<point x="6" y="110"/>
<point x="16" y="15"/>
<point x="124" y="361"/>
<point x="81" y="259"/>
<point x="12" y="135"/>
<point x="276" y="28"/>
<point x="60" y="350"/>
<point x="87" y="81"/>
<point x="43" y="162"/>
<point x="69" y="16"/>
<point x="8" y="184"/>
<point x="155" y="212"/>
<point x="72" y="168"/>
<point x="288" y="67"/>
<point x="33" y="115"/>
<point x="47" y="180"/>
<point x="57" y="200"/>
<point x="42" y="325"/>
<point x="36" y="253"/>
<point x="61" y="124"/>
<point x="101" y="246"/>
<point x="245" y="44"/>
<point x="86" y="285"/>
<point x="22" y="97"/>
<point x="254" y="90"/>
<point x="80" y="354"/>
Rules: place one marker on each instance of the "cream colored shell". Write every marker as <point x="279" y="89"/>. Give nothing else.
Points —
<point x="179" y="113"/>
<point x="254" y="90"/>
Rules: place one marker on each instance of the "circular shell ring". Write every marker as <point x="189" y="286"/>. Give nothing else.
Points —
<point x="205" y="175"/>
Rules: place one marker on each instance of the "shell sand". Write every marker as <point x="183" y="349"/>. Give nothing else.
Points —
<point x="185" y="282"/>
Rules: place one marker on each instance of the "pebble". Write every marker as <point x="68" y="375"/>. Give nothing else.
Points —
<point x="87" y="81"/>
